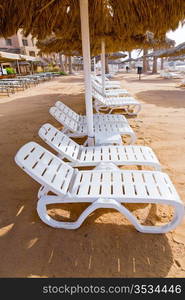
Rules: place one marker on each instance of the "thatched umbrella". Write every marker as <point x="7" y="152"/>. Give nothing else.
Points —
<point x="108" y="18"/>
<point x="175" y="51"/>
<point x="112" y="20"/>
<point x="115" y="61"/>
<point x="117" y="55"/>
<point x="82" y="12"/>
<point x="151" y="42"/>
<point x="180" y="57"/>
<point x="129" y="60"/>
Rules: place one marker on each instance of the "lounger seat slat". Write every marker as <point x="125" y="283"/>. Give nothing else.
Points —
<point x="128" y="185"/>
<point x="106" y="184"/>
<point x="85" y="184"/>
<point x="118" y="186"/>
<point x="105" y="154"/>
<point x="113" y="153"/>
<point x="95" y="184"/>
<point x="164" y="186"/>
<point x="89" y="156"/>
<point x="139" y="186"/>
<point x="149" y="182"/>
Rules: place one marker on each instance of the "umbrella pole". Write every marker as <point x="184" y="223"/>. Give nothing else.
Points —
<point x="32" y="70"/>
<point x="87" y="68"/>
<point x="18" y="68"/>
<point x="103" y="65"/>
<point x="94" y="65"/>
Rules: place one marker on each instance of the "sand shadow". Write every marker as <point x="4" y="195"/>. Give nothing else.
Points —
<point x="163" y="98"/>
<point x="71" y="79"/>
<point x="147" y="79"/>
<point x="94" y="250"/>
<point x="154" y="81"/>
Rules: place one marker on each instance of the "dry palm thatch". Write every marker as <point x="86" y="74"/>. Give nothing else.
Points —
<point x="164" y="42"/>
<point x="119" y="22"/>
<point x="137" y="17"/>
<point x="57" y="45"/>
<point x="73" y="46"/>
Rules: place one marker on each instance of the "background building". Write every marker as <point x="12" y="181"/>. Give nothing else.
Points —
<point x="20" y="44"/>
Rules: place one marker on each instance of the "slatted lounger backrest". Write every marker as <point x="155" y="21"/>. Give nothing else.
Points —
<point x="97" y="87"/>
<point x="67" y="122"/>
<point x="45" y="167"/>
<point x="67" y="110"/>
<point x="96" y="78"/>
<point x="98" y="96"/>
<point x="59" y="141"/>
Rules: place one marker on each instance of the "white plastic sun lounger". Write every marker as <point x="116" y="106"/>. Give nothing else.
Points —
<point x="79" y="155"/>
<point x="82" y="119"/>
<point x="74" y="129"/>
<point x="109" y="93"/>
<point x="108" y="84"/>
<point x="104" y="187"/>
<point x="129" y="105"/>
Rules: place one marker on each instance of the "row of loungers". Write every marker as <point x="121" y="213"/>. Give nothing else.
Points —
<point x="104" y="184"/>
<point x="9" y="86"/>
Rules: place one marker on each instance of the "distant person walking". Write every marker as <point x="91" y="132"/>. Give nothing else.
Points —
<point x="127" y="69"/>
<point x="139" y="69"/>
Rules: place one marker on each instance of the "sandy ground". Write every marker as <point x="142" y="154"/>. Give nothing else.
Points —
<point x="106" y="245"/>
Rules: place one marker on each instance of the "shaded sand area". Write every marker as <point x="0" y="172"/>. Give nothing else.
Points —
<point x="106" y="245"/>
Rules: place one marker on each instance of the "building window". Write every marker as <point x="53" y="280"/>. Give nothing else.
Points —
<point x="8" y="42"/>
<point x="25" y="42"/>
<point x="32" y="53"/>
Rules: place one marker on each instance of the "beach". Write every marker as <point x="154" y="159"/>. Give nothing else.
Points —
<point x="106" y="245"/>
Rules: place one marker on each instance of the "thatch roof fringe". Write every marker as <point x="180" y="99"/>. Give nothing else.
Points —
<point x="122" y="23"/>
<point x="174" y="51"/>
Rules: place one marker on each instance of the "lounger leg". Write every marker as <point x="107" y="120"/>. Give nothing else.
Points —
<point x="98" y="107"/>
<point x="106" y="166"/>
<point x="137" y="110"/>
<point x="108" y="203"/>
<point x="132" y="138"/>
<point x="64" y="130"/>
<point x="42" y="212"/>
<point x="43" y="191"/>
<point x="178" y="216"/>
